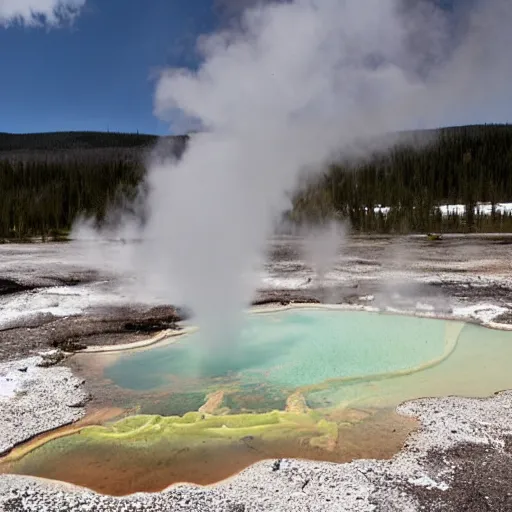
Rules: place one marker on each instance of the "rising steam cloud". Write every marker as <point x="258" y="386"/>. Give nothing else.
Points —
<point x="321" y="247"/>
<point x="293" y="84"/>
<point x="39" y="12"/>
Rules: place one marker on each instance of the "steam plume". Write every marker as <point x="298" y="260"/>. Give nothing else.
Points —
<point x="295" y="83"/>
<point x="322" y="249"/>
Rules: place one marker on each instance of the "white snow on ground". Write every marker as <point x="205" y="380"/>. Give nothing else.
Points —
<point x="59" y="301"/>
<point x="451" y="209"/>
<point x="483" y="312"/>
<point x="425" y="481"/>
<point x="284" y="283"/>
<point x="8" y="385"/>
<point x="68" y="301"/>
<point x="25" y="387"/>
<point x="425" y="307"/>
<point x="460" y="209"/>
<point x="24" y="306"/>
<point x="381" y="209"/>
<point x="42" y="263"/>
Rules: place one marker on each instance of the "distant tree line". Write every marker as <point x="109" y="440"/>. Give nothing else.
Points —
<point x="48" y="180"/>
<point x="58" y="141"/>
<point x="463" y="165"/>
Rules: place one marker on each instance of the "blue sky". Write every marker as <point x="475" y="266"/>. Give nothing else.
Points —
<point x="95" y="74"/>
<point x="98" y="71"/>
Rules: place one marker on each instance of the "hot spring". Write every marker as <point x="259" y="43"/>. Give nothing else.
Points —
<point x="311" y="383"/>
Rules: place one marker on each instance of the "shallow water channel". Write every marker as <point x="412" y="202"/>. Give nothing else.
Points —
<point x="309" y="383"/>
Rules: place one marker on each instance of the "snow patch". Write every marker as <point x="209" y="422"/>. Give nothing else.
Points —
<point x="58" y="301"/>
<point x="36" y="399"/>
<point x="459" y="209"/>
<point x="482" y="312"/>
<point x="285" y="283"/>
<point x="425" y="481"/>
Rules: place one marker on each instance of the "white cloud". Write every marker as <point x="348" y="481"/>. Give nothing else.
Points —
<point x="39" y="12"/>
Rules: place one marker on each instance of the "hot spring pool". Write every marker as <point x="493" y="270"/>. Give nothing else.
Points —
<point x="311" y="383"/>
<point x="294" y="348"/>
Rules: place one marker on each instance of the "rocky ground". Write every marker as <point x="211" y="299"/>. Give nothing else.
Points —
<point x="459" y="460"/>
<point x="37" y="397"/>
<point x="50" y="298"/>
<point x="99" y="327"/>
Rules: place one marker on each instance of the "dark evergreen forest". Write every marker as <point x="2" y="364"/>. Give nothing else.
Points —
<point x="47" y="180"/>
<point x="463" y="165"/>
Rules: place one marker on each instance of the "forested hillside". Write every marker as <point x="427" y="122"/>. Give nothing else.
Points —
<point x="464" y="165"/>
<point x="72" y="140"/>
<point x="47" y="180"/>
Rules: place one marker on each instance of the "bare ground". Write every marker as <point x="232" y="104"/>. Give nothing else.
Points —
<point x="104" y="327"/>
<point x="401" y="273"/>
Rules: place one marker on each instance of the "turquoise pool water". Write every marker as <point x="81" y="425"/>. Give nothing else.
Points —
<point x="291" y="349"/>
